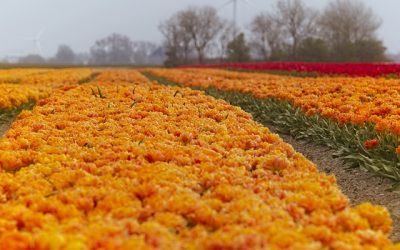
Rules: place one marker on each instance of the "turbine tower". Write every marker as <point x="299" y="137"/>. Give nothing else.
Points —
<point x="235" y="5"/>
<point x="36" y="41"/>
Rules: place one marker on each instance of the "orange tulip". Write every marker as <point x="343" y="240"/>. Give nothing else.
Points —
<point x="371" y="144"/>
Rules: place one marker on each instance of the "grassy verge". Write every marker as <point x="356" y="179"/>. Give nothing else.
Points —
<point x="346" y="140"/>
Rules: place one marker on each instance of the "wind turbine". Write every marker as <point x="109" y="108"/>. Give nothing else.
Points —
<point x="36" y="41"/>
<point x="235" y="4"/>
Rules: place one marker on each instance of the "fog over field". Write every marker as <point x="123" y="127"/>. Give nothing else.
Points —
<point x="80" y="23"/>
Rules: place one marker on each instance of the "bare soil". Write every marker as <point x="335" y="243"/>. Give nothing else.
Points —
<point x="5" y="125"/>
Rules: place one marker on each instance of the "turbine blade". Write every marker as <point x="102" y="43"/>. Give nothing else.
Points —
<point x="249" y="2"/>
<point x="225" y="4"/>
<point x="38" y="47"/>
<point x="40" y="33"/>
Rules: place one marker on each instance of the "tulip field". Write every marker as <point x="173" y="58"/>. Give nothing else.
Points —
<point x="158" y="158"/>
<point x="358" y="117"/>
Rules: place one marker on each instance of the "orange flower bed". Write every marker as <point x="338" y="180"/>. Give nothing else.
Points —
<point x="14" y="95"/>
<point x="57" y="77"/>
<point x="121" y="75"/>
<point x="31" y="85"/>
<point x="15" y="75"/>
<point x="346" y="100"/>
<point x="142" y="166"/>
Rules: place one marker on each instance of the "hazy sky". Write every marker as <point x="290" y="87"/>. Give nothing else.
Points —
<point x="79" y="23"/>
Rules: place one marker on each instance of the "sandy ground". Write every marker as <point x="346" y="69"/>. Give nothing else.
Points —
<point x="360" y="186"/>
<point x="5" y="125"/>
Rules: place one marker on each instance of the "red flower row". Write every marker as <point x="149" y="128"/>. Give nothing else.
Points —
<point x="348" y="69"/>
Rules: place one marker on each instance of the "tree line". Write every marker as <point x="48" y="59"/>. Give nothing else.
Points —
<point x="115" y="49"/>
<point x="345" y="31"/>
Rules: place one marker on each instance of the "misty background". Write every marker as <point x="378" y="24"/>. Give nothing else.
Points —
<point x="79" y="24"/>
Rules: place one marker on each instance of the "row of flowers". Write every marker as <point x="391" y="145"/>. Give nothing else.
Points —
<point x="135" y="165"/>
<point x="58" y="77"/>
<point x="345" y="100"/>
<point x="20" y="86"/>
<point x="15" y="75"/>
<point x="347" y="69"/>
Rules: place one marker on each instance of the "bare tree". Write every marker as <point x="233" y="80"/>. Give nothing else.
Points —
<point x="267" y="34"/>
<point x="32" y="59"/>
<point x="185" y="25"/>
<point x="298" y="21"/>
<point x="178" y="42"/>
<point x="157" y="57"/>
<point x="203" y="24"/>
<point x="65" y="55"/>
<point x="142" y="50"/>
<point x="346" y="22"/>
<point x="170" y="31"/>
<point x="193" y="28"/>
<point x="115" y="49"/>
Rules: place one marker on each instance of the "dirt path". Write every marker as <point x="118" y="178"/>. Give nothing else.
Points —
<point x="5" y="124"/>
<point x="360" y="186"/>
<point x="7" y="118"/>
<point x="4" y="127"/>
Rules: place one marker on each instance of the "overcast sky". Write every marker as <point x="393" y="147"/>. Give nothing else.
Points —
<point x="79" y="23"/>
